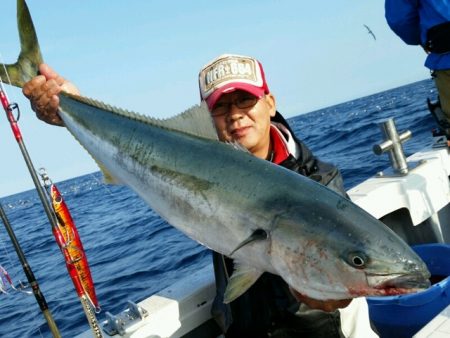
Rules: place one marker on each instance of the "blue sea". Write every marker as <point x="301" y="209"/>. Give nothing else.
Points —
<point x="133" y="253"/>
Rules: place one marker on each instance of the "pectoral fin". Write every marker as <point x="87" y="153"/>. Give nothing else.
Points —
<point x="240" y="281"/>
<point x="257" y="235"/>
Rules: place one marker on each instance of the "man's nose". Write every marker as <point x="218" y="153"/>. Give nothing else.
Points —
<point x="234" y="112"/>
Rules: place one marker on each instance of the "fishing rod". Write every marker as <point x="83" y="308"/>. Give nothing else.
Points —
<point x="9" y="109"/>
<point x="30" y="276"/>
<point x="50" y="212"/>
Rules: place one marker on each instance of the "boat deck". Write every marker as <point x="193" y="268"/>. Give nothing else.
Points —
<point x="439" y="327"/>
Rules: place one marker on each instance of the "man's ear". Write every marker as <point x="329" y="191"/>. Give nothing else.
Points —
<point x="270" y="100"/>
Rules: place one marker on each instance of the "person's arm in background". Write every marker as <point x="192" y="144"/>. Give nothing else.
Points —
<point x="402" y="17"/>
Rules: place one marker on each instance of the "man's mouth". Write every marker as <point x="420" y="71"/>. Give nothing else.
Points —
<point x="240" y="132"/>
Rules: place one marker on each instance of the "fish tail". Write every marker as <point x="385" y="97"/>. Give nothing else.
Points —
<point x="27" y="65"/>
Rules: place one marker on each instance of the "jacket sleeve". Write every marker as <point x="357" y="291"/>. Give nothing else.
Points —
<point x="402" y="17"/>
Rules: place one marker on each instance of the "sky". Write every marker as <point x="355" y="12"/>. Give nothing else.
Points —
<point x="144" y="55"/>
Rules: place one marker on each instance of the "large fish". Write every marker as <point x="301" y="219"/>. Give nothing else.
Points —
<point x="264" y="216"/>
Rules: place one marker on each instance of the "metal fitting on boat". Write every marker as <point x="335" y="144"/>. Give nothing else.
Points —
<point x="118" y="324"/>
<point x="393" y="146"/>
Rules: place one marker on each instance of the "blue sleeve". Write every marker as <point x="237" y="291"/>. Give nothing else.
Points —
<point x="402" y="17"/>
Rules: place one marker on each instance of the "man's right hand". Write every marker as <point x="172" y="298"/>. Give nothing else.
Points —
<point x="324" y="305"/>
<point x="43" y="90"/>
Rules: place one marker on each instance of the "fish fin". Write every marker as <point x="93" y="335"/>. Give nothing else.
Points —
<point x="195" y="121"/>
<point x="257" y="235"/>
<point x="107" y="177"/>
<point x="27" y="65"/>
<point x="240" y="281"/>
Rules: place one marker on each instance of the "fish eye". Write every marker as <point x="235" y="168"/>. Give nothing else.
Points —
<point x="357" y="259"/>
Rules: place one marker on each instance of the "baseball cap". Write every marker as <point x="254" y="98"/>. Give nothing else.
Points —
<point x="228" y="73"/>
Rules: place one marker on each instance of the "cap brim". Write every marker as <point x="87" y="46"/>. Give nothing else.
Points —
<point x="231" y="87"/>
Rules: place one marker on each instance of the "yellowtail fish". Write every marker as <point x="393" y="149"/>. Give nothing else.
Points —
<point x="264" y="216"/>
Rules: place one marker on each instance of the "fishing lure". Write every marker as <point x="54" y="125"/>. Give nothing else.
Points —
<point x="70" y="243"/>
<point x="5" y="279"/>
<point x="68" y="240"/>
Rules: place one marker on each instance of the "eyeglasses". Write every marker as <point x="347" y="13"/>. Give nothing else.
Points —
<point x="241" y="102"/>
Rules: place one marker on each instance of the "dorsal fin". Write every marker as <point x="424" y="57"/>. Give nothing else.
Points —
<point x="195" y="121"/>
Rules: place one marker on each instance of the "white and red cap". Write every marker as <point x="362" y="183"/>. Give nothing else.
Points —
<point x="228" y="73"/>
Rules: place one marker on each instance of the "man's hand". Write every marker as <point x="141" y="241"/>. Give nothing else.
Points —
<point x="43" y="90"/>
<point x="324" y="305"/>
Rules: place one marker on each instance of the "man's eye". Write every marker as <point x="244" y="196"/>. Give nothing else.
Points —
<point x="245" y="100"/>
<point x="219" y="105"/>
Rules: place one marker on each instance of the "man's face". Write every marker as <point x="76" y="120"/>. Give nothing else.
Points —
<point x="249" y="126"/>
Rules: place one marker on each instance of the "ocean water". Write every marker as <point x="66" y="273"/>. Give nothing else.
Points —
<point x="133" y="253"/>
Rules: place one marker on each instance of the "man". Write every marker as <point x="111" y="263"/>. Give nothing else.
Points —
<point x="244" y="111"/>
<point x="427" y="23"/>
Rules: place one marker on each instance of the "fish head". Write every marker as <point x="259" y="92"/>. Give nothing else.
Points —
<point x="337" y="259"/>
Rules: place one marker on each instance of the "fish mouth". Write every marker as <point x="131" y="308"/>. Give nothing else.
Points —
<point x="399" y="284"/>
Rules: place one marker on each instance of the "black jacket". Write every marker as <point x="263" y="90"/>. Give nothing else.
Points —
<point x="268" y="306"/>
<point x="309" y="165"/>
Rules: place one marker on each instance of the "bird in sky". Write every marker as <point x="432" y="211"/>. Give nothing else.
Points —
<point x="369" y="31"/>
